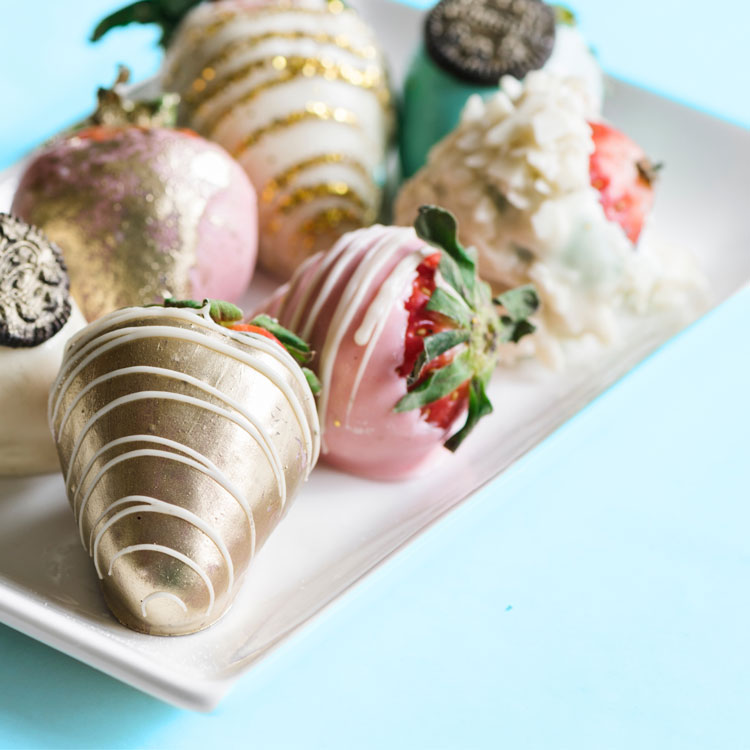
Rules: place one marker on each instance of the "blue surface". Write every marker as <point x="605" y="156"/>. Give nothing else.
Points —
<point x="595" y="596"/>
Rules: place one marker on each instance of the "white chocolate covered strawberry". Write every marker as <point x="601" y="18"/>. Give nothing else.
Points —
<point x="552" y="197"/>
<point x="406" y="338"/>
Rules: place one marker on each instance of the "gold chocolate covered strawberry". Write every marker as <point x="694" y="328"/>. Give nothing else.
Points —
<point x="142" y="210"/>
<point x="183" y="442"/>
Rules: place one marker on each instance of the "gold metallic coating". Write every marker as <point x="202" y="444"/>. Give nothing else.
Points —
<point x="146" y="247"/>
<point x="164" y="433"/>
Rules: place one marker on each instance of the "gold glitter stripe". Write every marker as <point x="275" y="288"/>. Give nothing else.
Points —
<point x="309" y="193"/>
<point x="199" y="34"/>
<point x="208" y="74"/>
<point x="292" y="173"/>
<point x="330" y="219"/>
<point x="288" y="69"/>
<point x="313" y="111"/>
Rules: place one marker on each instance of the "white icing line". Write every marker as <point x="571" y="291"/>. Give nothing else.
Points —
<point x="139" y="439"/>
<point x="100" y="345"/>
<point x="336" y="261"/>
<point x="356" y="290"/>
<point x="377" y="315"/>
<point x="153" y="505"/>
<point x="174" y="510"/>
<point x="170" y="397"/>
<point x="161" y="595"/>
<point x="177" y="556"/>
<point x="262" y="437"/>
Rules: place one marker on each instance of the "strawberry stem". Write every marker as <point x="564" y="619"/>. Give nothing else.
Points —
<point x="467" y="302"/>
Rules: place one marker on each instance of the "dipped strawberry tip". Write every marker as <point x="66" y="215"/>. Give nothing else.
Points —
<point x="475" y="327"/>
<point x="230" y="316"/>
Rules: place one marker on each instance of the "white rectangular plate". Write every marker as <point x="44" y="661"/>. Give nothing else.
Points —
<point x="341" y="527"/>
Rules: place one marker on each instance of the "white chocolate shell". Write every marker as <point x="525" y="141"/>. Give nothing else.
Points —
<point x="299" y="95"/>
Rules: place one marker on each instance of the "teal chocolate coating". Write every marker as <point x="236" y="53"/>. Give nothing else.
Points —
<point x="431" y="107"/>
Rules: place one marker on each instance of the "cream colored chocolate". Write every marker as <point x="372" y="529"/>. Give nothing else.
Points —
<point x="182" y="444"/>
<point x="297" y="92"/>
<point x="26" y="446"/>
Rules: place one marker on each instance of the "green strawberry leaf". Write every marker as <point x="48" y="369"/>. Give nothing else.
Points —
<point x="438" y="384"/>
<point x="434" y="346"/>
<point x="312" y="380"/>
<point x="165" y="13"/>
<point x="451" y="306"/>
<point x="223" y="313"/>
<point x="519" y="303"/>
<point x="479" y="406"/>
<point x="296" y="346"/>
<point x="515" y="330"/>
<point x="564" y="15"/>
<point x="452" y="274"/>
<point x="171" y="302"/>
<point x="439" y="227"/>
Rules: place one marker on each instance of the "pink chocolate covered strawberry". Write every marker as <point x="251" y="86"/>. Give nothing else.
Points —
<point x="406" y="338"/>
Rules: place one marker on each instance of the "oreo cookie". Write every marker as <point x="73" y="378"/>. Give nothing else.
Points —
<point x="481" y="40"/>
<point x="34" y="285"/>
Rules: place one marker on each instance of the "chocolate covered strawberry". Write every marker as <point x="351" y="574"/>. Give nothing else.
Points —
<point x="142" y="210"/>
<point x="550" y="196"/>
<point x="624" y="177"/>
<point x="406" y="339"/>
<point x="183" y="436"/>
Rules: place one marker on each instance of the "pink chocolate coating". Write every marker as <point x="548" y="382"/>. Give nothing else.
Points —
<point x="141" y="212"/>
<point x="364" y="436"/>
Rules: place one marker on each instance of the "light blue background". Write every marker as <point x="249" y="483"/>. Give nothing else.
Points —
<point x="595" y="596"/>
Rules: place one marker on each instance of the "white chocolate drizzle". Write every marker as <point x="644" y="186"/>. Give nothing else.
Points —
<point x="376" y="248"/>
<point x="161" y="595"/>
<point x="255" y="429"/>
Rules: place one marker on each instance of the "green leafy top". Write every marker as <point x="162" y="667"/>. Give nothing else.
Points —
<point x="478" y="327"/>
<point x="564" y="15"/>
<point x="166" y="14"/>
<point x="228" y="315"/>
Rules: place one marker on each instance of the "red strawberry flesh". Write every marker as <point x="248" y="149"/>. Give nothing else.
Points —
<point x="423" y="322"/>
<point x="616" y="169"/>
